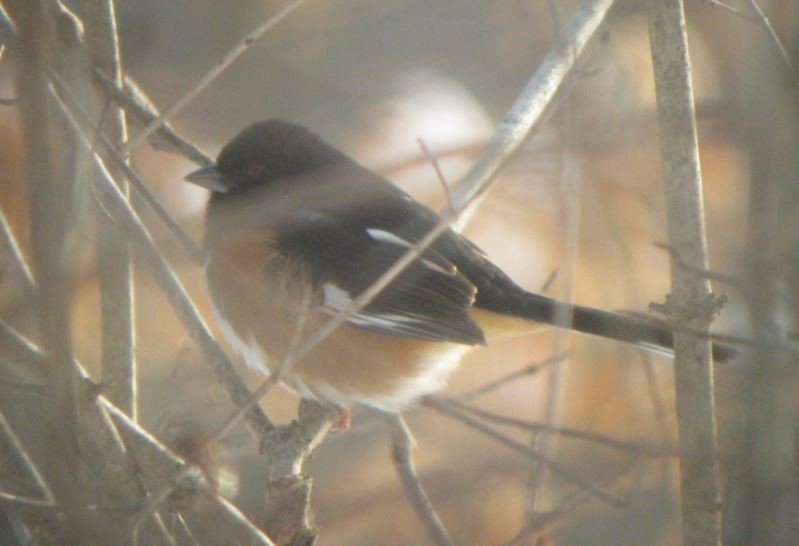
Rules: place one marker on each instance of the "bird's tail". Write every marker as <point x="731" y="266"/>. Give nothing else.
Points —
<point x="541" y="309"/>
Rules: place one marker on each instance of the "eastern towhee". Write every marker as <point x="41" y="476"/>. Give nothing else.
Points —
<point x="295" y="230"/>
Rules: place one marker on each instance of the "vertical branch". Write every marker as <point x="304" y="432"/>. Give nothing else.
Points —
<point x="113" y="246"/>
<point x="691" y="302"/>
<point x="762" y="492"/>
<point x="49" y="221"/>
<point x="569" y="196"/>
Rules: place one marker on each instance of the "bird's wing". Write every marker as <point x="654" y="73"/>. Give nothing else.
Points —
<point x="345" y="254"/>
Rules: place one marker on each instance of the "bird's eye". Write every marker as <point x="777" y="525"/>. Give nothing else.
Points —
<point x="254" y="169"/>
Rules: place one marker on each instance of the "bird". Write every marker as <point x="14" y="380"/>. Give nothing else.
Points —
<point x="296" y="230"/>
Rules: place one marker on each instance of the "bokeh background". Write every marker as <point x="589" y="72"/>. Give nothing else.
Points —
<point x="582" y="199"/>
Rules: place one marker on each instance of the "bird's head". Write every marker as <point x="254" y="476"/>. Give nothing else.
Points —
<point x="263" y="153"/>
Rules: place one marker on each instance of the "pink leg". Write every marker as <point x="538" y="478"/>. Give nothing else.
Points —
<point x="344" y="420"/>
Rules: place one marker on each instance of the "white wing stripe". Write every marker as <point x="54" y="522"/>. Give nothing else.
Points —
<point x="390" y="238"/>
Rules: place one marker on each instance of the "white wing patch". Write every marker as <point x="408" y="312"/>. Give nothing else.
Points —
<point x="392" y="239"/>
<point x="386" y="237"/>
<point x="338" y="300"/>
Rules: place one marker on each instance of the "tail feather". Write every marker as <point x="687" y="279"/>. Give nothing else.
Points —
<point x="596" y="322"/>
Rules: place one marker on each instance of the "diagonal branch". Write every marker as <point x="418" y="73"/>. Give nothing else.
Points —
<point x="120" y="209"/>
<point x="554" y="467"/>
<point x="141" y="109"/>
<point x="211" y="75"/>
<point x="403" y="461"/>
<point x="85" y="125"/>
<point x="527" y="112"/>
<point x="13" y="261"/>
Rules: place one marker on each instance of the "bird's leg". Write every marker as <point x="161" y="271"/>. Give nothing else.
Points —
<point x="344" y="421"/>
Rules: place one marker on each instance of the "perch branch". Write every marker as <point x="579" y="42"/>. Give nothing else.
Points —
<point x="691" y="302"/>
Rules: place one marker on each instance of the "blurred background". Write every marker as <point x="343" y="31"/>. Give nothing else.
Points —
<point x="582" y="201"/>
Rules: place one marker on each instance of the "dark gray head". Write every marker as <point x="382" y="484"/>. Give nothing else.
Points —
<point x="264" y="152"/>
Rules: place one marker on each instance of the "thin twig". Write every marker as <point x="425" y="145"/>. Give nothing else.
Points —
<point x="691" y="302"/>
<point x="152" y="459"/>
<point x="547" y="284"/>
<point x="211" y="75"/>
<point x="635" y="448"/>
<point x="139" y="107"/>
<point x="13" y="259"/>
<point x="25" y="501"/>
<point x="761" y="17"/>
<point x="527" y="371"/>
<point x="439" y="173"/>
<point x="402" y="444"/>
<point x="8" y="31"/>
<point x="570" y="503"/>
<point x="223" y="522"/>
<point x="84" y="124"/>
<point x="23" y="386"/>
<point x="7" y="101"/>
<point x="554" y="467"/>
<point x="18" y="473"/>
<point x="730" y="8"/>
<point x="118" y="206"/>
<point x="105" y="450"/>
<point x="568" y="190"/>
<point x="283" y="368"/>
<point x="701" y="271"/>
<point x="526" y="113"/>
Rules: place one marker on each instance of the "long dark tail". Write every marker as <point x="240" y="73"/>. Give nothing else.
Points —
<point x="594" y="321"/>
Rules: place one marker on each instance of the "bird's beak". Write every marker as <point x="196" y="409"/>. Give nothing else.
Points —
<point x="209" y="178"/>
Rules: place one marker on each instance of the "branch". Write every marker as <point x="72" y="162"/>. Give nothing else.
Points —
<point x="634" y="448"/>
<point x="47" y="196"/>
<point x="224" y="372"/>
<point x="569" y="504"/>
<point x="525" y="115"/>
<point x="211" y="75"/>
<point x="772" y="34"/>
<point x="556" y="468"/>
<point x="219" y="521"/>
<point x="691" y="301"/>
<point x="20" y="478"/>
<point x="403" y="461"/>
<point x="527" y="371"/>
<point x="288" y="493"/>
<point x="85" y="125"/>
<point x="102" y="448"/>
<point x="13" y="261"/>
<point x="114" y="258"/>
<point x="139" y="106"/>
